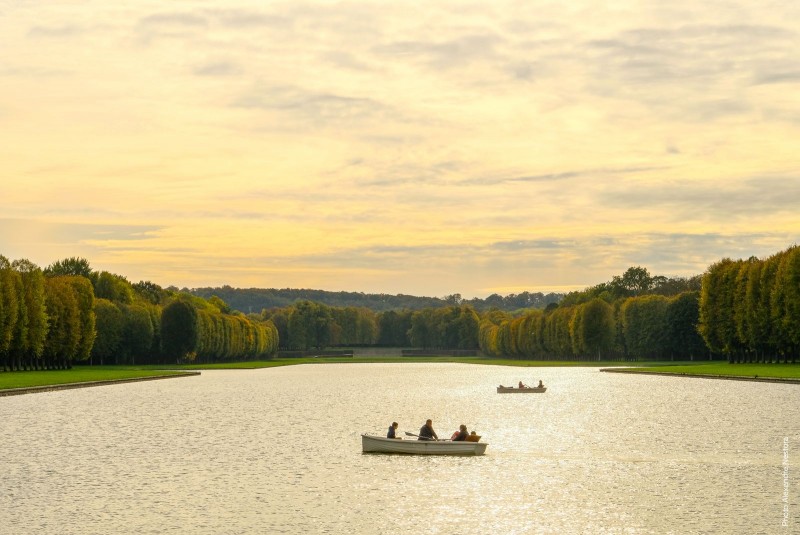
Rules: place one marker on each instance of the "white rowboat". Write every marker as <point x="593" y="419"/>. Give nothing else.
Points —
<point x="526" y="390"/>
<point x="373" y="444"/>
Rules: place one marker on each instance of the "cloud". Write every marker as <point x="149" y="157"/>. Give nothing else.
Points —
<point x="55" y="31"/>
<point x="218" y="69"/>
<point x="312" y="108"/>
<point x="698" y="71"/>
<point x="244" y="18"/>
<point x="450" y="54"/>
<point x="20" y="230"/>
<point x="173" y="20"/>
<point x="766" y="196"/>
<point x="778" y="77"/>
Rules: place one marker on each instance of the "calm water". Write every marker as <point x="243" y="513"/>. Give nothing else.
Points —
<point x="279" y="451"/>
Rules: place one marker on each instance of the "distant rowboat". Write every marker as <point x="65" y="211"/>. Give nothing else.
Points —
<point x="373" y="444"/>
<point x="526" y="390"/>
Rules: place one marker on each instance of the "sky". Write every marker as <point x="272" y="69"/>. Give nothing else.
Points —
<point x="424" y="148"/>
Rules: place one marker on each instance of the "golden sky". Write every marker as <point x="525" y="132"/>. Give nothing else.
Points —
<point x="425" y="148"/>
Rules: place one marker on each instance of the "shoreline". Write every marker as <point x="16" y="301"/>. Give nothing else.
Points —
<point x="754" y="378"/>
<point x="88" y="384"/>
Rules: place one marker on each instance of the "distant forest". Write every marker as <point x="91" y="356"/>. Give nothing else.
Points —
<point x="254" y="300"/>
<point x="739" y="310"/>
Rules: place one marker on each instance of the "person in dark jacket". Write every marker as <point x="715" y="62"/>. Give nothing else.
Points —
<point x="392" y="429"/>
<point x="426" y="432"/>
<point x="461" y="434"/>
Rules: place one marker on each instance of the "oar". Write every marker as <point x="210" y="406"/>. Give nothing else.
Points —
<point x="424" y="438"/>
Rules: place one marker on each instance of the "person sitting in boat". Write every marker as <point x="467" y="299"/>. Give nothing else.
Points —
<point x="461" y="434"/>
<point x="392" y="429"/>
<point x="541" y="384"/>
<point x="522" y="385"/>
<point x="426" y="432"/>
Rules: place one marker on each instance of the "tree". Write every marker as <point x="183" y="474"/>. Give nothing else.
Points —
<point x="635" y="281"/>
<point x="179" y="331"/>
<point x="716" y="325"/>
<point x="682" y="317"/>
<point x="786" y="303"/>
<point x="75" y="266"/>
<point x="32" y="332"/>
<point x="64" y="316"/>
<point x="593" y="328"/>
<point x="150" y="292"/>
<point x="84" y="296"/>
<point x="10" y="290"/>
<point x="310" y="325"/>
<point x="644" y="324"/>
<point x="110" y="323"/>
<point x="137" y="334"/>
<point x="114" y="288"/>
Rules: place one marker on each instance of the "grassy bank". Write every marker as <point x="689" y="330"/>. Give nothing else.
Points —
<point x="81" y="374"/>
<point x="723" y="369"/>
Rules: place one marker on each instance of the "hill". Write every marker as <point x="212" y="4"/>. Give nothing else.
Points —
<point x="253" y="300"/>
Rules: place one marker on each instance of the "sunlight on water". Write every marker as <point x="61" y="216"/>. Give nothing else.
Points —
<point x="279" y="451"/>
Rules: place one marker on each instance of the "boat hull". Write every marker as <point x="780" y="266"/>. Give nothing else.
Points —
<point x="512" y="390"/>
<point x="373" y="444"/>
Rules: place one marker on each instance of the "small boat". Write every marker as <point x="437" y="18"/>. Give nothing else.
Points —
<point x="373" y="444"/>
<point x="526" y="390"/>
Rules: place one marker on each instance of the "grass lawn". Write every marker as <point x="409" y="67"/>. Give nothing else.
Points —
<point x="79" y="374"/>
<point x="780" y="371"/>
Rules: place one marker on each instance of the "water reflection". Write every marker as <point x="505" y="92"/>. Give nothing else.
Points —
<point x="278" y="451"/>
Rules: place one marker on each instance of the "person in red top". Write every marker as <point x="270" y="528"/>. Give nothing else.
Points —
<point x="461" y="434"/>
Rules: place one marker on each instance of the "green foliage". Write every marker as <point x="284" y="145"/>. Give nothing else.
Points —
<point x="10" y="282"/>
<point x="393" y="327"/>
<point x="110" y="325"/>
<point x="84" y="295"/>
<point x="683" y="315"/>
<point x="249" y="300"/>
<point x="593" y="328"/>
<point x="78" y="267"/>
<point x="114" y="288"/>
<point x="64" y="333"/>
<point x="150" y="292"/>
<point x="30" y="337"/>
<point x="179" y="330"/>
<point x="137" y="334"/>
<point x="645" y="327"/>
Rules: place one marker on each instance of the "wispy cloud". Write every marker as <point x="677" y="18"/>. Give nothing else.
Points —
<point x="437" y="148"/>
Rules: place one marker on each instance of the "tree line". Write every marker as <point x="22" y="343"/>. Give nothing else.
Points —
<point x="743" y="310"/>
<point x="51" y="318"/>
<point x="643" y="327"/>
<point x="253" y="300"/>
<point x="750" y="309"/>
<point x="306" y="324"/>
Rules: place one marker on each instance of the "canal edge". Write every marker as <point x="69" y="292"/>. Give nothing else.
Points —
<point x="701" y="376"/>
<point x="87" y="384"/>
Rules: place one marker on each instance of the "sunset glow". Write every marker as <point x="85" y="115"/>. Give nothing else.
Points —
<point x="425" y="148"/>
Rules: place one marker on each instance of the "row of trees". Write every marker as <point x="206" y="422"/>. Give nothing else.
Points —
<point x="647" y="327"/>
<point x="307" y="325"/>
<point x="744" y="310"/>
<point x="750" y="309"/>
<point x="67" y="312"/>
<point x="45" y="322"/>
